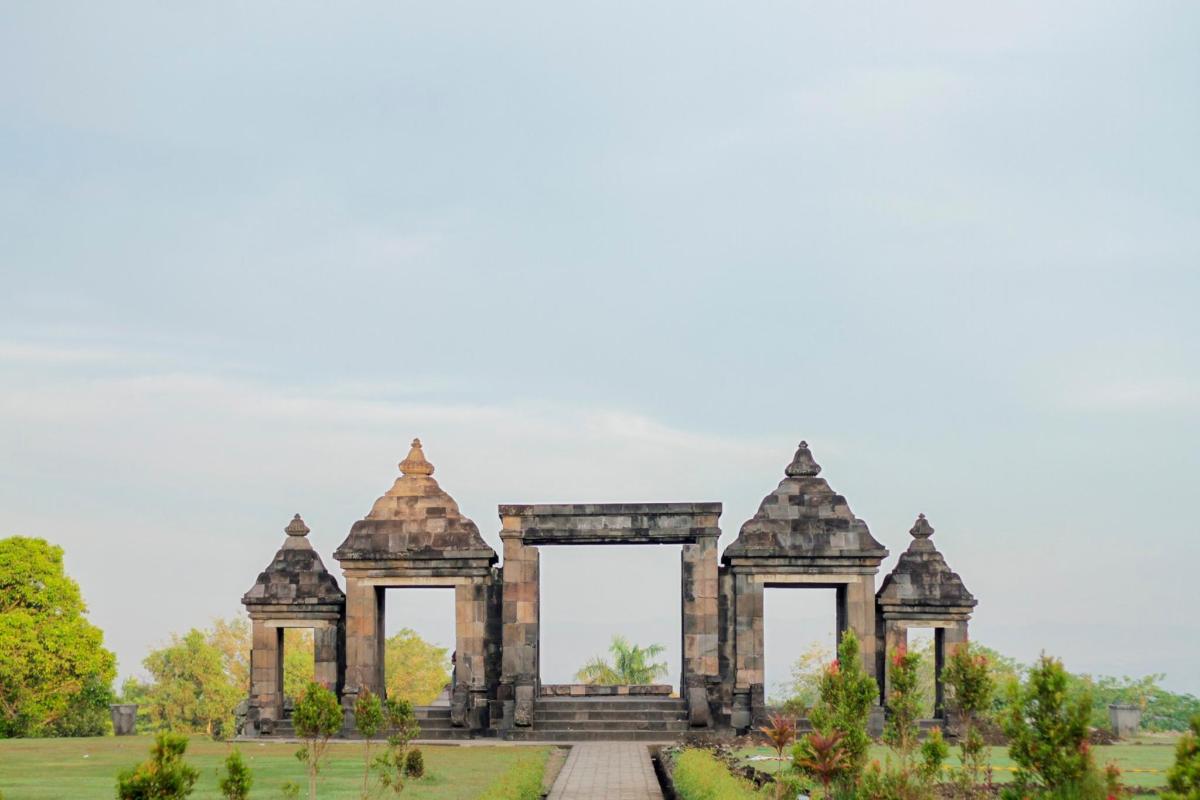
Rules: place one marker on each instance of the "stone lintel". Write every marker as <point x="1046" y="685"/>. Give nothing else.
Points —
<point x="432" y="569"/>
<point x="775" y="579"/>
<point x="905" y="623"/>
<point x="418" y="581"/>
<point x="610" y="523"/>
<point x="952" y="614"/>
<point x="285" y="622"/>
<point x="311" y="617"/>
<point x="802" y="566"/>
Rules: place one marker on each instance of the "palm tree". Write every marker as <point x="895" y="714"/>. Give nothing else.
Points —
<point x="631" y="665"/>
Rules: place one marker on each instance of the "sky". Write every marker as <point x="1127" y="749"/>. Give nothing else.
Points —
<point x="610" y="252"/>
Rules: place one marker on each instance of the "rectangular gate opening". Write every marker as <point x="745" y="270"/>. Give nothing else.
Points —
<point x="419" y="637"/>
<point x="799" y="641"/>
<point x="589" y="594"/>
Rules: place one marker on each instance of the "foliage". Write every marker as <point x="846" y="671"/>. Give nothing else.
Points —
<point x="631" y="665"/>
<point x="55" y="673"/>
<point x="971" y="688"/>
<point x="416" y="670"/>
<point x="802" y="691"/>
<point x="414" y="763"/>
<point x="1183" y="779"/>
<point x="290" y="790"/>
<point x="164" y="777"/>
<point x="236" y="782"/>
<point x="368" y="719"/>
<point x="847" y="694"/>
<point x="780" y="733"/>
<point x="699" y="775"/>
<point x="824" y="757"/>
<point x="299" y="667"/>
<point x="401" y="724"/>
<point x="909" y="778"/>
<point x="1047" y="727"/>
<point x="902" y="730"/>
<point x="1162" y="710"/>
<point x="232" y="637"/>
<point x="191" y="689"/>
<point x="316" y="717"/>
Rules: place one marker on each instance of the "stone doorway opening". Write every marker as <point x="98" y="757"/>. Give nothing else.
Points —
<point x="799" y="625"/>
<point x="583" y="608"/>
<point x="416" y="620"/>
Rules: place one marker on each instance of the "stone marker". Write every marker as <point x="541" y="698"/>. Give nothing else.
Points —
<point x="1125" y="720"/>
<point x="124" y="718"/>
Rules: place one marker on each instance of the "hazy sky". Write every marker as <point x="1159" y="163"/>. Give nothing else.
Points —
<point x="607" y="252"/>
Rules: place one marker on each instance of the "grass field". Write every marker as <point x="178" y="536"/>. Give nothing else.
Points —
<point x="1143" y="763"/>
<point x="41" y="769"/>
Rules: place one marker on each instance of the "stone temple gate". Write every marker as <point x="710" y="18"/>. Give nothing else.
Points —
<point x="802" y="536"/>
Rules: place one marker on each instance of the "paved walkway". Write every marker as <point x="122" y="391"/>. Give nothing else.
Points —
<point x="607" y="771"/>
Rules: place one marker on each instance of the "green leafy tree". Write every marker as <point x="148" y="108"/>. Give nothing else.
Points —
<point x="847" y="694"/>
<point x="416" y="670"/>
<point x="802" y="691"/>
<point x="317" y="717"/>
<point x="166" y="776"/>
<point x="1183" y="778"/>
<point x="368" y="719"/>
<point x="232" y="638"/>
<point x="969" y="678"/>
<point x="392" y="764"/>
<point x="192" y="690"/>
<point x="1047" y="727"/>
<point x="903" y="728"/>
<point x="236" y="782"/>
<point x="631" y="665"/>
<point x="55" y="673"/>
<point x="299" y="667"/>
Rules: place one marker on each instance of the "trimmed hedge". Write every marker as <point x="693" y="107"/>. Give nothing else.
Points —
<point x="523" y="781"/>
<point x="698" y="775"/>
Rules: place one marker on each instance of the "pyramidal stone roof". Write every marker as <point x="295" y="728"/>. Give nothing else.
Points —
<point x="296" y="576"/>
<point x="922" y="581"/>
<point x="414" y="519"/>
<point x="805" y="520"/>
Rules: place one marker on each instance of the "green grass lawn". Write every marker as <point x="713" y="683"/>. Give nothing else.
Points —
<point x="1143" y="764"/>
<point x="41" y="769"/>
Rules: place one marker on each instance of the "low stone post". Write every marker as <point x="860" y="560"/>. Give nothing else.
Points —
<point x="124" y="718"/>
<point x="1125" y="720"/>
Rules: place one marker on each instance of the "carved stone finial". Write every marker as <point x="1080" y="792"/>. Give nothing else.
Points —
<point x="415" y="463"/>
<point x="296" y="527"/>
<point x="803" y="465"/>
<point x="921" y="529"/>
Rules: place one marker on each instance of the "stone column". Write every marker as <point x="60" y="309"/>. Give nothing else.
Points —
<point x="327" y="656"/>
<point x="468" y="704"/>
<point x="749" y="699"/>
<point x="860" y="617"/>
<point x="945" y="641"/>
<point x="266" y="672"/>
<point x="519" y="662"/>
<point x="698" y="571"/>
<point x="894" y="635"/>
<point x="364" y="645"/>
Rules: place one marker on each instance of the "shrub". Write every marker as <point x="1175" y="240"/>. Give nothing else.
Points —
<point x="1183" y="778"/>
<point x="522" y="781"/>
<point x="1047" y="727"/>
<point x="698" y="775"/>
<point x="164" y="777"/>
<point x="368" y="719"/>
<point x="316" y="718"/>
<point x="414" y="763"/>
<point x="235" y="783"/>
<point x="402" y="728"/>
<point x="968" y="676"/>
<point x="823" y="757"/>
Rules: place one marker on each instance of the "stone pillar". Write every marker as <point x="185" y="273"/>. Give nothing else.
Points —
<point x="521" y="606"/>
<point x="749" y="698"/>
<point x="945" y="641"/>
<point x="364" y="644"/>
<point x="860" y="617"/>
<point x="468" y="702"/>
<point x="895" y="634"/>
<point x="698" y="572"/>
<point x="266" y="675"/>
<point x="327" y="656"/>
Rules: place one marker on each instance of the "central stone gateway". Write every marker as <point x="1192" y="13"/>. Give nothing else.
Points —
<point x="524" y="528"/>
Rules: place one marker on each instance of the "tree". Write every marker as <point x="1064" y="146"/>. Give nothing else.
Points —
<point x="631" y="665"/>
<point x="968" y="677"/>
<point x="416" y="670"/>
<point x="847" y="694"/>
<point x="236" y="782"/>
<point x="1183" y="778"/>
<point x="191" y="689"/>
<point x="368" y="719"/>
<point x="804" y="687"/>
<point x="164" y="777"/>
<point x="1047" y="727"/>
<point x="233" y="639"/>
<point x="316" y="718"/>
<point x="392" y="765"/>
<point x="55" y="673"/>
<point x="299" y="669"/>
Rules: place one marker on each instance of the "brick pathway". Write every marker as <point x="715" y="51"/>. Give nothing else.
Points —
<point x="607" y="771"/>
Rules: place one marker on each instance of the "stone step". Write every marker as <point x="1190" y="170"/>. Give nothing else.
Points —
<point x="614" y="704"/>
<point x="612" y="725"/>
<point x="537" y="735"/>
<point x="555" y="715"/>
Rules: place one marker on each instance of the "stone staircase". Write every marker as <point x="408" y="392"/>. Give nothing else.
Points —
<point x="628" y="719"/>
<point x="435" y="723"/>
